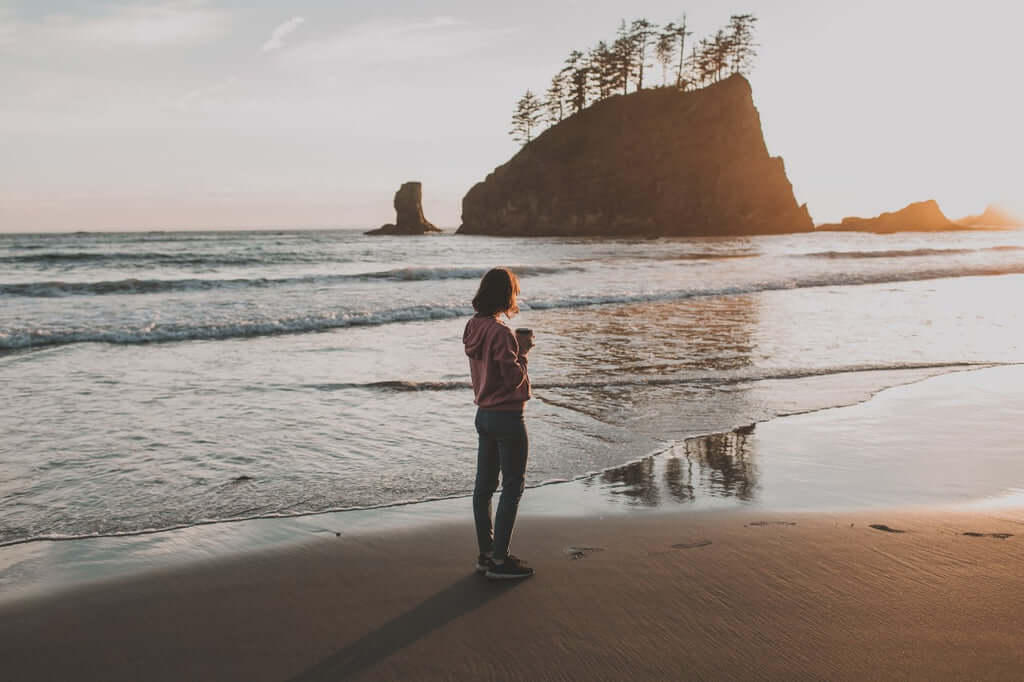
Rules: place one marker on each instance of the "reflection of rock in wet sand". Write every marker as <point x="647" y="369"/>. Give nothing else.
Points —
<point x="727" y="467"/>
<point x="678" y="478"/>
<point x="636" y="481"/>
<point x="719" y="465"/>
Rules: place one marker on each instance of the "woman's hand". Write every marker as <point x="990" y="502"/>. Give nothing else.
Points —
<point x="525" y="343"/>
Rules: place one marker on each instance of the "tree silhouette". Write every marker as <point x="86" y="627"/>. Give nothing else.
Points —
<point x="527" y="117"/>
<point x="665" y="49"/>
<point x="596" y="74"/>
<point x="623" y="52"/>
<point x="693" y="70"/>
<point x="680" y="33"/>
<point x="721" y="50"/>
<point x="695" y="62"/>
<point x="602" y="72"/>
<point x="554" y="99"/>
<point x="741" y="41"/>
<point x="576" y="73"/>
<point x="642" y="33"/>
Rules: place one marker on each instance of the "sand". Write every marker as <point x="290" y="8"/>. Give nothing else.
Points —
<point x="733" y="595"/>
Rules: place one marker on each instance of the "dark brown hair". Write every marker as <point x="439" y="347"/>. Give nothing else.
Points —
<point x="497" y="293"/>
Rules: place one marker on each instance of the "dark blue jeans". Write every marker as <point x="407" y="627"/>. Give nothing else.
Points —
<point x="504" y="446"/>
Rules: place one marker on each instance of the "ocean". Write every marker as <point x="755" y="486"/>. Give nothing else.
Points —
<point x="158" y="380"/>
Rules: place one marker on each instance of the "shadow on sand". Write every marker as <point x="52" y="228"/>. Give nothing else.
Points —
<point x="461" y="597"/>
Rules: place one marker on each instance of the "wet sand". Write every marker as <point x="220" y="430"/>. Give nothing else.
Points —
<point x="723" y="595"/>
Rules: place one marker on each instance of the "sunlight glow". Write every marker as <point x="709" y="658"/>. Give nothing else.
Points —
<point x="254" y="121"/>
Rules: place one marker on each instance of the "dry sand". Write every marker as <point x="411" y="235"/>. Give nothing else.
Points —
<point x="684" y="596"/>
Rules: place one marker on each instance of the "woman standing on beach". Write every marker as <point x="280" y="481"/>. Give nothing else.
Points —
<point x="501" y="387"/>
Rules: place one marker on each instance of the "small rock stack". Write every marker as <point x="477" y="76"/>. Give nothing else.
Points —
<point x="409" y="213"/>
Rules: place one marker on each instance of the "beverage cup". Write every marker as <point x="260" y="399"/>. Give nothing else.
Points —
<point x="524" y="333"/>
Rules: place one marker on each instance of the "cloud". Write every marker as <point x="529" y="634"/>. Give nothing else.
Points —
<point x="277" y="36"/>
<point x="391" y="42"/>
<point x="169" y="22"/>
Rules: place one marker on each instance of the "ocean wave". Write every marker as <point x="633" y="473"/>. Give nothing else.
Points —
<point x="149" y="259"/>
<point x="645" y="381"/>
<point x="826" y="280"/>
<point x="14" y="339"/>
<point x="159" y="333"/>
<point x="54" y="289"/>
<point x="903" y="253"/>
<point x="419" y="274"/>
<point x="395" y="386"/>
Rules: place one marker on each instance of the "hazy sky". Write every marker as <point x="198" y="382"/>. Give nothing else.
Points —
<point x="192" y="113"/>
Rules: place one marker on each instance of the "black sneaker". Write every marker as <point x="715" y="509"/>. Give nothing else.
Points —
<point x="484" y="563"/>
<point x="512" y="568"/>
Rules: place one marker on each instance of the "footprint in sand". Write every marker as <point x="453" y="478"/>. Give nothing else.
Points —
<point x="580" y="552"/>
<point x="762" y="524"/>
<point x="887" y="529"/>
<point x="1000" y="536"/>
<point x="691" y="545"/>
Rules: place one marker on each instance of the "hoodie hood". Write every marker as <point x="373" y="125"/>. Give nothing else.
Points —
<point x="479" y="330"/>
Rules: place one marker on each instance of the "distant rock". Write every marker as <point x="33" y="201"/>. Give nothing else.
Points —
<point x="923" y="216"/>
<point x="409" y="210"/>
<point x="653" y="162"/>
<point x="994" y="216"/>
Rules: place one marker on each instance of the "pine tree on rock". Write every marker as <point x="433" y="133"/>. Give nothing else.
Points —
<point x="577" y="74"/>
<point x="665" y="49"/>
<point x="555" y="100"/>
<point x="743" y="48"/>
<point x="642" y="33"/>
<point x="527" y="117"/>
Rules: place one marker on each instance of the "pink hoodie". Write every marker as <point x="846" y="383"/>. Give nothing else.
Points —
<point x="500" y="381"/>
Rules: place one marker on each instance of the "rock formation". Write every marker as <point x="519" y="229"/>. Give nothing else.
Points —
<point x="994" y="216"/>
<point x="653" y="162"/>
<point x="923" y="216"/>
<point x="409" y="210"/>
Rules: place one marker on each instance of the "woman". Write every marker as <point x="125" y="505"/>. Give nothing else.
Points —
<point x="501" y="387"/>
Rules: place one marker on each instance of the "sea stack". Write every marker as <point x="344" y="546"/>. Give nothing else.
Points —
<point x="993" y="217"/>
<point x="653" y="162"/>
<point x="409" y="213"/>
<point x="923" y="216"/>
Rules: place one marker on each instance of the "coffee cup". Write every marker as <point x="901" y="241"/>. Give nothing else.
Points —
<point x="525" y="333"/>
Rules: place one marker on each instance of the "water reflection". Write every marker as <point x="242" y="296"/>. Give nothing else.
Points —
<point x="720" y="465"/>
<point x="635" y="481"/>
<point x="610" y="362"/>
<point x="702" y="333"/>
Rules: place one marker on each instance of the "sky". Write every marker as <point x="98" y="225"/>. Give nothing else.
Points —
<point x="200" y="114"/>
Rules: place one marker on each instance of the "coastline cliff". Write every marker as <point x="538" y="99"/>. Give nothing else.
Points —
<point x="923" y="216"/>
<point x="654" y="162"/>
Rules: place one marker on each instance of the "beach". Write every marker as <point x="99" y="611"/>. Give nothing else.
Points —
<point x="254" y="461"/>
<point x="700" y="596"/>
<point x="624" y="590"/>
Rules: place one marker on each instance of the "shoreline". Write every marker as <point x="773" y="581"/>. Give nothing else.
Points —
<point x="924" y="372"/>
<point x="735" y="594"/>
<point x="735" y="572"/>
<point x="39" y="566"/>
